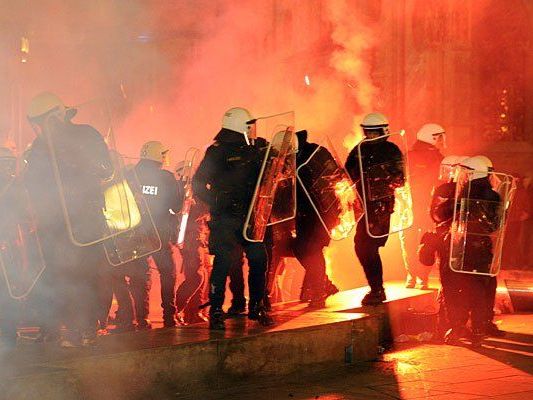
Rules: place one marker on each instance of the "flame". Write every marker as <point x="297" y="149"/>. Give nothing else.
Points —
<point x="345" y="192"/>
<point x="328" y="258"/>
<point x="403" y="248"/>
<point x="352" y="139"/>
<point x="402" y="217"/>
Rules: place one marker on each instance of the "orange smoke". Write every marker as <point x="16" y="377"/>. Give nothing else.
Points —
<point x="354" y="37"/>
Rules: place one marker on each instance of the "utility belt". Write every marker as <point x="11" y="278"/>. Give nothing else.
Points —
<point x="225" y="205"/>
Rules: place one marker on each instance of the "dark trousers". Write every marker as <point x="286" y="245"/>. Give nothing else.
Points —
<point x="125" y="312"/>
<point x="227" y="244"/>
<point x="9" y="309"/>
<point x="309" y="254"/>
<point x="466" y="296"/>
<point x="189" y="292"/>
<point x="68" y="291"/>
<point x="236" y="284"/>
<point x="491" y="288"/>
<point x="141" y="283"/>
<point x="367" y="251"/>
<point x="105" y="292"/>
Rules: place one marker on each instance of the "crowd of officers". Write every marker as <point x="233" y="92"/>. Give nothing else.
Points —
<point x="63" y="175"/>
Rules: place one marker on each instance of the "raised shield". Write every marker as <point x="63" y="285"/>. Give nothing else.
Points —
<point x="479" y="222"/>
<point x="330" y="191"/>
<point x="274" y="198"/>
<point x="21" y="256"/>
<point x="83" y="171"/>
<point x="128" y="220"/>
<point x="185" y="176"/>
<point x="385" y="188"/>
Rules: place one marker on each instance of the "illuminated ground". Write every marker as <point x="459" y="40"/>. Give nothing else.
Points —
<point x="501" y="369"/>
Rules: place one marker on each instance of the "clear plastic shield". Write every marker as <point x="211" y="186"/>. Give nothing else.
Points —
<point x="385" y="188"/>
<point x="267" y="127"/>
<point x="274" y="199"/>
<point x="330" y="191"/>
<point x="84" y="173"/>
<point x="184" y="176"/>
<point x="21" y="257"/>
<point x="128" y="221"/>
<point x="479" y="222"/>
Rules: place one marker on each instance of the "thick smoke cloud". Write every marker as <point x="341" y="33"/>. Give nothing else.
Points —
<point x="167" y="70"/>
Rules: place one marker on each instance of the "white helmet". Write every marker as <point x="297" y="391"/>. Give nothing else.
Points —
<point x="448" y="166"/>
<point x="479" y="166"/>
<point x="488" y="161"/>
<point x="375" y="121"/>
<point x="236" y="119"/>
<point x="429" y="133"/>
<point x="46" y="103"/>
<point x="155" y="151"/>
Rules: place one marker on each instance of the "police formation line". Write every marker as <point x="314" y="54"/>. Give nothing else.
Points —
<point x="78" y="226"/>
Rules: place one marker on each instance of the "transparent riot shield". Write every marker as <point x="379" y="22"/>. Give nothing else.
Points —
<point x="185" y="179"/>
<point x="21" y="256"/>
<point x="83" y="172"/>
<point x="274" y="199"/>
<point x="267" y="127"/>
<point x="479" y="222"/>
<point x="385" y="188"/>
<point x="132" y="230"/>
<point x="330" y="191"/>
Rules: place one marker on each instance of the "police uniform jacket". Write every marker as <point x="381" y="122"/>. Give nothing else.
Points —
<point x="385" y="160"/>
<point x="83" y="163"/>
<point x="308" y="225"/>
<point x="160" y="190"/>
<point x="227" y="176"/>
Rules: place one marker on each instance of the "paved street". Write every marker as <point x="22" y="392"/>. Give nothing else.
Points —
<point x="501" y="369"/>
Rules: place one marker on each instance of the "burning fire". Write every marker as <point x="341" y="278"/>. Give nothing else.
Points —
<point x="352" y="139"/>
<point x="345" y="192"/>
<point x="328" y="252"/>
<point x="402" y="217"/>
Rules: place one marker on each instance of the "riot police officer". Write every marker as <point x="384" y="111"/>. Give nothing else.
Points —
<point x="66" y="167"/>
<point x="311" y="237"/>
<point x="160" y="190"/>
<point x="225" y="181"/>
<point x="193" y="250"/>
<point x="374" y="154"/>
<point x="424" y="160"/>
<point x="441" y="212"/>
<point x="471" y="294"/>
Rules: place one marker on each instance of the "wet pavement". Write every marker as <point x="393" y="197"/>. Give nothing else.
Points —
<point x="499" y="369"/>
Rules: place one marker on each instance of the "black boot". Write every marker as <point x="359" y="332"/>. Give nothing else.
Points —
<point x="331" y="289"/>
<point x="267" y="303"/>
<point x="454" y="335"/>
<point x="257" y="312"/>
<point x="216" y="319"/>
<point x="374" y="298"/>
<point x="491" y="329"/>
<point x="236" y="308"/>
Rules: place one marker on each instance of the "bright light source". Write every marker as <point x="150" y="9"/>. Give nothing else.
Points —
<point x="307" y="80"/>
<point x="24" y="45"/>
